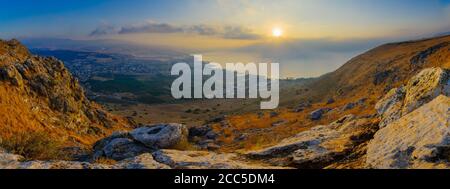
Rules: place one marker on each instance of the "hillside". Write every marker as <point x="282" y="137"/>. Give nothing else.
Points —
<point x="375" y="72"/>
<point x="354" y="88"/>
<point x="41" y="103"/>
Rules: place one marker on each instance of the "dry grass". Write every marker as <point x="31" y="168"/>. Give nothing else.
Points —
<point x="105" y="161"/>
<point x="34" y="146"/>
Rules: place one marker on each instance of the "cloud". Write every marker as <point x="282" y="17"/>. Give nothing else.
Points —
<point x="151" y="28"/>
<point x="237" y="32"/>
<point x="202" y="30"/>
<point x="226" y="32"/>
<point x="103" y="29"/>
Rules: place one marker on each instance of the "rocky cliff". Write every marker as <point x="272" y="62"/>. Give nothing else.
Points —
<point x="39" y="95"/>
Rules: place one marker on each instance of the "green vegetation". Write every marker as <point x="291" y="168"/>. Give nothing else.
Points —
<point x="146" y="90"/>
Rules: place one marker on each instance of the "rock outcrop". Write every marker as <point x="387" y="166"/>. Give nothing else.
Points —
<point x="426" y="86"/>
<point x="161" y="136"/>
<point x="419" y="139"/>
<point x="389" y="107"/>
<point x="144" y="161"/>
<point x="317" y="114"/>
<point x="205" y="160"/>
<point x="122" y="145"/>
<point x="40" y="93"/>
<point x="422" y="56"/>
<point x="320" y="146"/>
<point x="420" y="89"/>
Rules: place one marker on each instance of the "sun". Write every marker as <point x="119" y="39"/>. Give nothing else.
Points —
<point x="277" y="32"/>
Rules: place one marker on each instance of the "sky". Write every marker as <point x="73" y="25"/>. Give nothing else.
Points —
<point x="318" y="35"/>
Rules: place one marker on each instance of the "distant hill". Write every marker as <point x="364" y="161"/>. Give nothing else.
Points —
<point x="103" y="46"/>
<point x="373" y="73"/>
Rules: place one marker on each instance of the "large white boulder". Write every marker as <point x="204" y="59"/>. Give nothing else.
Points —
<point x="426" y="86"/>
<point x="420" y="89"/>
<point x="320" y="146"/>
<point x="122" y="145"/>
<point x="420" y="139"/>
<point x="161" y="136"/>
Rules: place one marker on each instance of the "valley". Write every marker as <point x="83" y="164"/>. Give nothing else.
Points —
<point x="343" y="119"/>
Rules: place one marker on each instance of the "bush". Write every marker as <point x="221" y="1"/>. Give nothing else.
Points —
<point x="34" y="146"/>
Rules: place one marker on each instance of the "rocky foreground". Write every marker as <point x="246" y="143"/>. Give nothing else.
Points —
<point x="411" y="130"/>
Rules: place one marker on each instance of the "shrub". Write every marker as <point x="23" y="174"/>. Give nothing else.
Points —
<point x="34" y="145"/>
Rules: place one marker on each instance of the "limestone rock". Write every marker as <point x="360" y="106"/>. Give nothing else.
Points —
<point x="321" y="145"/>
<point x="122" y="148"/>
<point x="389" y="108"/>
<point x="317" y="114"/>
<point x="144" y="161"/>
<point x="419" y="139"/>
<point x="421" y="89"/>
<point x="122" y="145"/>
<point x="60" y="165"/>
<point x="161" y="136"/>
<point x="8" y="161"/>
<point x="426" y="86"/>
<point x="204" y="160"/>
<point x="10" y="73"/>
<point x="199" y="131"/>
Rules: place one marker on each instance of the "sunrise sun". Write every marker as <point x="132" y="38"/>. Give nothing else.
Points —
<point x="277" y="32"/>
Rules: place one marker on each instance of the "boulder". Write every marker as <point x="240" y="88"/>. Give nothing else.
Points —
<point x="349" y="106"/>
<point x="122" y="148"/>
<point x="205" y="160"/>
<point x="320" y="146"/>
<point x="426" y="86"/>
<point x="331" y="101"/>
<point x="316" y="114"/>
<point x="419" y="139"/>
<point x="390" y="105"/>
<point x="8" y="160"/>
<point x="10" y="73"/>
<point x="161" y="136"/>
<point x="420" y="89"/>
<point x="199" y="131"/>
<point x="122" y="145"/>
<point x="144" y="161"/>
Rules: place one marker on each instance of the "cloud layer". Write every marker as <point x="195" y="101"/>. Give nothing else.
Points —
<point x="226" y="32"/>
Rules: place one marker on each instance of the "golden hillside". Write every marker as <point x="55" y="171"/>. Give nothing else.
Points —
<point x="39" y="97"/>
<point x="355" y="88"/>
<point x="380" y="69"/>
